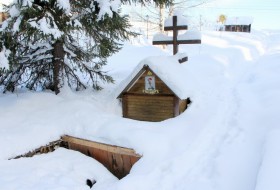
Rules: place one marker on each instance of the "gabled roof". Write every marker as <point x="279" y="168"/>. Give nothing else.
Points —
<point x="239" y="21"/>
<point x="169" y="70"/>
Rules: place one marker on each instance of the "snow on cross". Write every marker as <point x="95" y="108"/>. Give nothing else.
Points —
<point x="190" y="37"/>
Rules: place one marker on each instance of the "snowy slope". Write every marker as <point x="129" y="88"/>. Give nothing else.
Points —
<point x="226" y="140"/>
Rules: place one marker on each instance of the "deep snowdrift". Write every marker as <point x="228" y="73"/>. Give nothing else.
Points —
<point x="227" y="140"/>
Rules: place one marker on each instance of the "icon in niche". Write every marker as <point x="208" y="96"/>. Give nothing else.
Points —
<point x="150" y="83"/>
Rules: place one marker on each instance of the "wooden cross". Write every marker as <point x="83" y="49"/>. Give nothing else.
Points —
<point x="175" y="41"/>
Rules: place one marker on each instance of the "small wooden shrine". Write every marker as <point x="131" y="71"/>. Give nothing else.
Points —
<point x="158" y="88"/>
<point x="155" y="91"/>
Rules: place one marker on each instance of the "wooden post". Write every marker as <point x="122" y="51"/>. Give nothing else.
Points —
<point x="175" y="34"/>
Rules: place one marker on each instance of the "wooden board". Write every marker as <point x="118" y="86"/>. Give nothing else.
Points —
<point x="118" y="160"/>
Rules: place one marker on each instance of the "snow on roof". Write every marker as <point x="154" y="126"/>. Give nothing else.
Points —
<point x="162" y="37"/>
<point x="170" y="71"/>
<point x="188" y="35"/>
<point x="239" y="21"/>
<point x="181" y="20"/>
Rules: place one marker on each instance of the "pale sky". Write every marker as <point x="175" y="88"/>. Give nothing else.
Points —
<point x="266" y="13"/>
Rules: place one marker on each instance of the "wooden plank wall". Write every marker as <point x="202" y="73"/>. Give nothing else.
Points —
<point x="118" y="160"/>
<point x="148" y="107"/>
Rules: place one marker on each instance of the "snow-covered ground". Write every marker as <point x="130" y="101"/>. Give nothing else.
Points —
<point x="228" y="139"/>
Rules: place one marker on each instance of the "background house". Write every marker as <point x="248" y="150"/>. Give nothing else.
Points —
<point x="238" y="24"/>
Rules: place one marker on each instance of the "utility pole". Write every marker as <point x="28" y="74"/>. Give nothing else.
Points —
<point x="147" y="18"/>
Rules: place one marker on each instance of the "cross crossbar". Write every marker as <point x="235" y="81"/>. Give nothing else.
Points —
<point x="183" y="27"/>
<point x="178" y="41"/>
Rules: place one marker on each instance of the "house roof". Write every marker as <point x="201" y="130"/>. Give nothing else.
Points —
<point x="169" y="70"/>
<point x="239" y="21"/>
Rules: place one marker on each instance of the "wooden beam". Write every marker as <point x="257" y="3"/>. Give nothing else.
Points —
<point x="189" y="41"/>
<point x="101" y="146"/>
<point x="182" y="27"/>
<point x="178" y="42"/>
<point x="162" y="42"/>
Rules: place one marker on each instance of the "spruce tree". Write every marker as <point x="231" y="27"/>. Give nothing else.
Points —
<point x="52" y="42"/>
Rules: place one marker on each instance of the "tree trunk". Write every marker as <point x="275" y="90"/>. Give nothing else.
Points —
<point x="58" y="59"/>
<point x="161" y="18"/>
